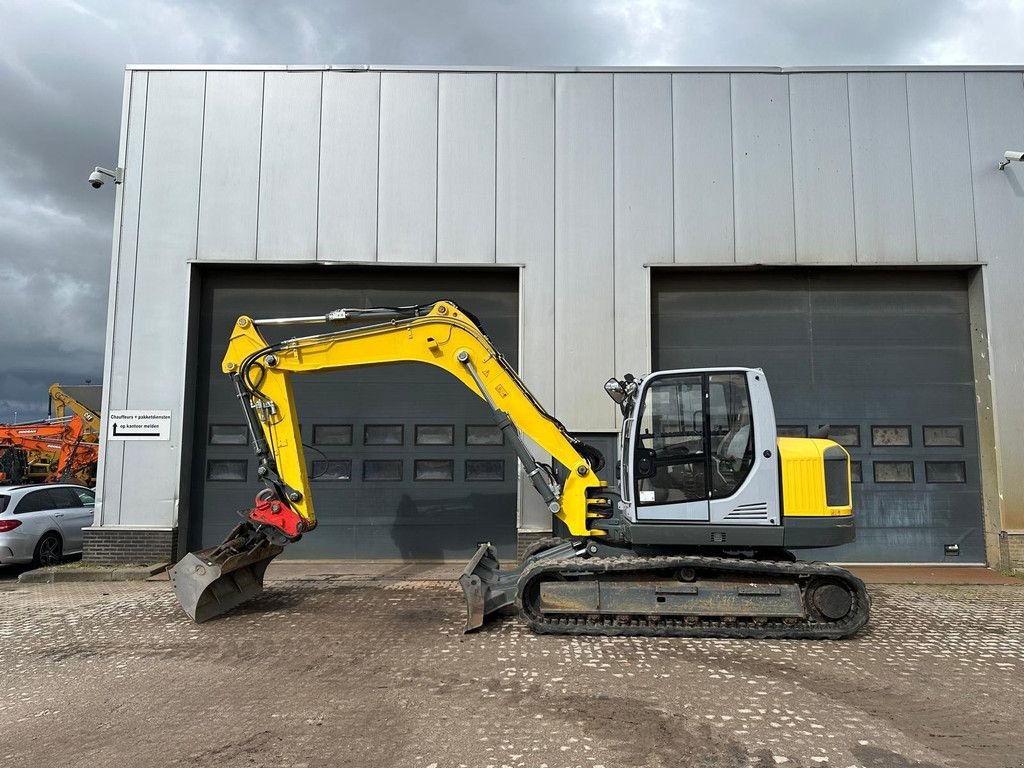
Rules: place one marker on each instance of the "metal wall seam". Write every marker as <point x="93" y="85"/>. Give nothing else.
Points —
<point x="115" y="264"/>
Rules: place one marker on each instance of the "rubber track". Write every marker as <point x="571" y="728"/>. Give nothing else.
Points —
<point x="677" y="626"/>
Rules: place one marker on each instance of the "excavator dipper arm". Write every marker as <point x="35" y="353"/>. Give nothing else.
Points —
<point x="442" y="335"/>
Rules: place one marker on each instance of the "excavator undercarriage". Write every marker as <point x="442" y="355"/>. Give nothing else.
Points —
<point x="565" y="590"/>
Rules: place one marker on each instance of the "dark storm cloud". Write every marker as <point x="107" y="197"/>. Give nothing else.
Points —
<point x="61" y="70"/>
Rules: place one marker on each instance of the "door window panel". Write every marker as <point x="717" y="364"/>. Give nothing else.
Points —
<point x="435" y="434"/>
<point x="847" y="436"/>
<point x="328" y="469"/>
<point x="383" y="434"/>
<point x="37" y="501"/>
<point x="952" y="436"/>
<point x="670" y="463"/>
<point x="227" y="469"/>
<point x="65" y="498"/>
<point x="228" y="434"/>
<point x="332" y="434"/>
<point x="731" y="432"/>
<point x="484" y="434"/>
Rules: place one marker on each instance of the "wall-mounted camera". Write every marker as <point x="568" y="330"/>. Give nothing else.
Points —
<point x="99" y="176"/>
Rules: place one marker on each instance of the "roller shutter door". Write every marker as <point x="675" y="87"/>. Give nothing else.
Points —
<point x="404" y="461"/>
<point x="882" y="356"/>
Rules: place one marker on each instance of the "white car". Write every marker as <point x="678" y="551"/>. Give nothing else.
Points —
<point x="41" y="524"/>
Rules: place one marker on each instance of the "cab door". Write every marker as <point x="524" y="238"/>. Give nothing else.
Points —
<point x="670" y="458"/>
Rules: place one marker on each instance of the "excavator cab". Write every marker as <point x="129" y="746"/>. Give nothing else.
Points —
<point x="699" y="445"/>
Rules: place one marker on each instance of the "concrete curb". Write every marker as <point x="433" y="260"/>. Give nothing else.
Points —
<point x="97" y="573"/>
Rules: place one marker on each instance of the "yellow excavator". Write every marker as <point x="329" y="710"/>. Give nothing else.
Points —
<point x="696" y="539"/>
<point x="70" y="398"/>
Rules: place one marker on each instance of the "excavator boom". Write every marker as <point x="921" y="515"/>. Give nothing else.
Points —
<point x="65" y="399"/>
<point x="440" y="334"/>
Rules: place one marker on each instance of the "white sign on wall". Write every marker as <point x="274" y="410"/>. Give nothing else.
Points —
<point x="139" y="425"/>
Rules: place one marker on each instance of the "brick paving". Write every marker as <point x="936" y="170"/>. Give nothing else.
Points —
<point x="351" y="669"/>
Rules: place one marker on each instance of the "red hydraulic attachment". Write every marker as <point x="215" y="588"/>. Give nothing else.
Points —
<point x="274" y="512"/>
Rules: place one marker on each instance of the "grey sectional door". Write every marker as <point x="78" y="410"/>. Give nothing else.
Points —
<point x="882" y="356"/>
<point x="403" y="459"/>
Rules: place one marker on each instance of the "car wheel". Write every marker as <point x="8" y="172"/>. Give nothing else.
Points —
<point x="49" y="550"/>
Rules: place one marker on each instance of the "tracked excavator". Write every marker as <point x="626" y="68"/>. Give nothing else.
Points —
<point x="695" y="540"/>
<point x="49" y="451"/>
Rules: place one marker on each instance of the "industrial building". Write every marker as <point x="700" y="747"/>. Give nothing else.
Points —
<point x="848" y="231"/>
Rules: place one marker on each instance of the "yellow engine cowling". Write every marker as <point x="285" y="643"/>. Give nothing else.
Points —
<point x="815" y="478"/>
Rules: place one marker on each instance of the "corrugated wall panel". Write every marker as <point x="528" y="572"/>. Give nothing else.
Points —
<point x="822" y="169"/>
<point x="166" y="240"/>
<point x="643" y="206"/>
<point x="584" y="251"/>
<point x="883" y="192"/>
<point x="702" y="161"/>
<point x="288" y="167"/>
<point x="995" y="103"/>
<point x="762" y="169"/>
<point x="525" y="212"/>
<point x="465" y="167"/>
<point x="525" y="229"/>
<point x="230" y="186"/>
<point x="347" y="228"/>
<point x="407" y="191"/>
<point x="939" y="149"/>
<point x="122" y="287"/>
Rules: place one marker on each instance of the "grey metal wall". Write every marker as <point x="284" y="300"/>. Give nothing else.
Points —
<point x="580" y="177"/>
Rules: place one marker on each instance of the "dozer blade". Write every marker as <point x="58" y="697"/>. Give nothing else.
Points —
<point x="487" y="588"/>
<point x="212" y="581"/>
<point x="490" y="590"/>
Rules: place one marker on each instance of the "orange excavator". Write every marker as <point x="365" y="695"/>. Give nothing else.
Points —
<point x="51" y="451"/>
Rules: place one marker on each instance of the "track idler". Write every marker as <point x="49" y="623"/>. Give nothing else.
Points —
<point x="215" y="580"/>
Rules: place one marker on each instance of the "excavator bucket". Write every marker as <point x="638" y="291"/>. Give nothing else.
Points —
<point x="212" y="581"/>
<point x="487" y="588"/>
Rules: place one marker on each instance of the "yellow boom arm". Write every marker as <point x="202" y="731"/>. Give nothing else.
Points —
<point x="441" y="335"/>
<point x="61" y="402"/>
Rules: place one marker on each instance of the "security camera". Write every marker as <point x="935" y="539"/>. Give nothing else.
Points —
<point x="96" y="179"/>
<point x="1009" y="156"/>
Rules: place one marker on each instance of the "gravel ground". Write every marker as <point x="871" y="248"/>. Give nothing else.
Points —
<point x="354" y="671"/>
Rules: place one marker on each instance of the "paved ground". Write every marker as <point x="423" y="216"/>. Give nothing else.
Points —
<point x="343" y="669"/>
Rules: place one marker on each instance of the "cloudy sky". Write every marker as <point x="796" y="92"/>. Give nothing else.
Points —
<point x="62" y="62"/>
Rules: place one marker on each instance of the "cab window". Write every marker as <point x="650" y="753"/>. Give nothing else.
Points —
<point x="696" y="438"/>
<point x="731" y="432"/>
<point x="670" y="456"/>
